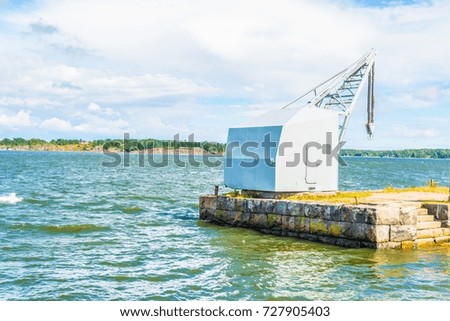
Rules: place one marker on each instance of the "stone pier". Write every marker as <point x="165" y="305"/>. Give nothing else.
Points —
<point x="377" y="226"/>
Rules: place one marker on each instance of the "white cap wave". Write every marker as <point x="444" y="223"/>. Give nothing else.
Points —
<point x="10" y="198"/>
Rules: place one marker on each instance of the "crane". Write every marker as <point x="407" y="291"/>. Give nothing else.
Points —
<point x="341" y="91"/>
<point x="289" y="149"/>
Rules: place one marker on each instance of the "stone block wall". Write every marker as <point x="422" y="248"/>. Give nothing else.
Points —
<point x="440" y="212"/>
<point x="344" y="225"/>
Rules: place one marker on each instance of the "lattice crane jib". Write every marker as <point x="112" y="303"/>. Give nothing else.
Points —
<point x="341" y="91"/>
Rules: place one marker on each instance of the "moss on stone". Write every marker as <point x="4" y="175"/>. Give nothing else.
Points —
<point x="221" y="214"/>
<point x="317" y="226"/>
<point x="335" y="229"/>
<point x="271" y="220"/>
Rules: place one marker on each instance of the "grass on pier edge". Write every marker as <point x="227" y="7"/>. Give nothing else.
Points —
<point x="355" y="197"/>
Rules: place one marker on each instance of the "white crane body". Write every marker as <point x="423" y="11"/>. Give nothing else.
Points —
<point x="291" y="149"/>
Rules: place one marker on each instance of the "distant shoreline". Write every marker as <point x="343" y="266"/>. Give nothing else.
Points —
<point x="99" y="150"/>
<point x="177" y="147"/>
<point x="197" y="151"/>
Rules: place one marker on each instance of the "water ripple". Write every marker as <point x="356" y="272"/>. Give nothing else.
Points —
<point x="84" y="232"/>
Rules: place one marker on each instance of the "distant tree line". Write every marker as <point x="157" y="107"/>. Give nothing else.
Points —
<point x="143" y="144"/>
<point x="213" y="147"/>
<point x="21" y="142"/>
<point x="404" y="153"/>
<point x="127" y="145"/>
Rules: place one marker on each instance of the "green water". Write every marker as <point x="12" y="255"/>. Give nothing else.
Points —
<point x="86" y="232"/>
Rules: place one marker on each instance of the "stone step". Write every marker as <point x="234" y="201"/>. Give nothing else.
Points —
<point x="424" y="242"/>
<point x="421" y="211"/>
<point x="432" y="232"/>
<point x="442" y="239"/>
<point x="425" y="218"/>
<point x="428" y="225"/>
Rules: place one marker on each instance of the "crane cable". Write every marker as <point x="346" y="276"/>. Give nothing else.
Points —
<point x="370" y="103"/>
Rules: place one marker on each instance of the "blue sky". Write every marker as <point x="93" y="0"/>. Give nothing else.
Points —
<point x="96" y="69"/>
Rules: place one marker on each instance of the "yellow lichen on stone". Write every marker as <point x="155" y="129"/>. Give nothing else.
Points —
<point x="361" y="197"/>
<point x="424" y="242"/>
<point x="335" y="230"/>
<point x="424" y="189"/>
<point x="317" y="227"/>
<point x="338" y="197"/>
<point x="407" y="244"/>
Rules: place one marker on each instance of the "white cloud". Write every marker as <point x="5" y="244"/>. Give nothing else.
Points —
<point x="26" y="102"/>
<point x="429" y="93"/>
<point x="427" y="96"/>
<point x="56" y="124"/>
<point x="103" y="127"/>
<point x="90" y="121"/>
<point x="67" y="83"/>
<point x="408" y="101"/>
<point x="94" y="107"/>
<point x="41" y="27"/>
<point x="192" y="66"/>
<point x="410" y="132"/>
<point x="20" y="120"/>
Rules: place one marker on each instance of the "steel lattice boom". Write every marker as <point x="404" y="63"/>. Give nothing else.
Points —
<point x="341" y="91"/>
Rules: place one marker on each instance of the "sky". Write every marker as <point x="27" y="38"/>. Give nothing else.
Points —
<point x="98" y="69"/>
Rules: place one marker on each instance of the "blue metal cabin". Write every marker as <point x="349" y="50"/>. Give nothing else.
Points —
<point x="255" y="171"/>
<point x="250" y="166"/>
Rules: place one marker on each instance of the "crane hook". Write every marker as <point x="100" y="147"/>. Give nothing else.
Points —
<point x="370" y="127"/>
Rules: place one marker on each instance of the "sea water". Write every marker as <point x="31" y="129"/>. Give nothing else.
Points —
<point x="71" y="229"/>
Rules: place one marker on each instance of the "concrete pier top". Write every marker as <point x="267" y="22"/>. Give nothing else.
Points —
<point x="394" y="220"/>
